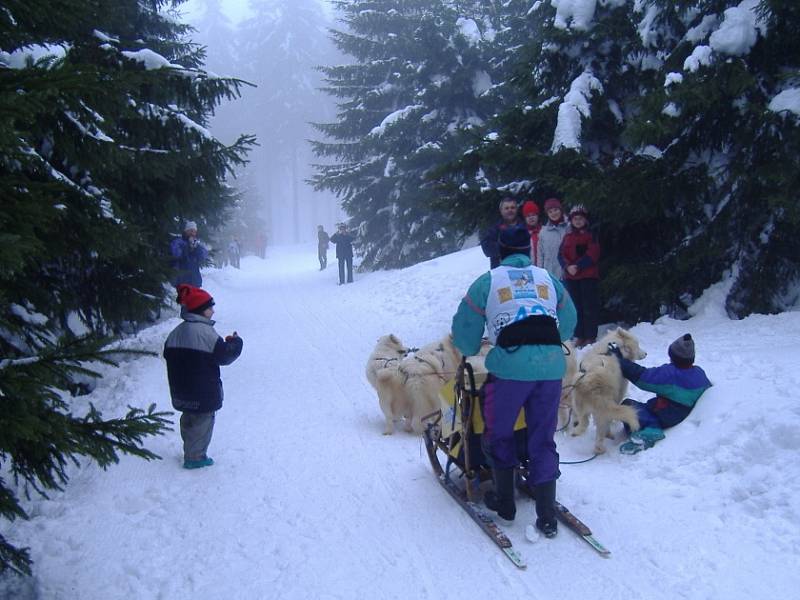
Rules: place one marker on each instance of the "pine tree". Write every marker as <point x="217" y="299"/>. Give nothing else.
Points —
<point x="414" y="89"/>
<point x="103" y="152"/>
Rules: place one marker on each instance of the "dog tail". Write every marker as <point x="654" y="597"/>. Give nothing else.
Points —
<point x="626" y="414"/>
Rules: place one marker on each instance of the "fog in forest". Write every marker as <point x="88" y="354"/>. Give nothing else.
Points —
<point x="275" y="45"/>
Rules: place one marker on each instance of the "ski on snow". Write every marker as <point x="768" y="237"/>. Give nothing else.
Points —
<point x="572" y="522"/>
<point x="484" y="521"/>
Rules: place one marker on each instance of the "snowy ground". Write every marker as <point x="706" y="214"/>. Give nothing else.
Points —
<point x="308" y="500"/>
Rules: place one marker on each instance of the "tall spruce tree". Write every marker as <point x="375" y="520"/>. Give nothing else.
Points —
<point x="654" y="114"/>
<point x="103" y="152"/>
<point x="415" y="86"/>
<point x="713" y="121"/>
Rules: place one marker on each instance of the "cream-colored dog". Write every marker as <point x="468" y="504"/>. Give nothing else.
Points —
<point x="412" y="390"/>
<point x="600" y="387"/>
<point x="567" y="382"/>
<point x="387" y="355"/>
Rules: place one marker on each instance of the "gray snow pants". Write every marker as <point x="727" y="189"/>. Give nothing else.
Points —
<point x="196" y="430"/>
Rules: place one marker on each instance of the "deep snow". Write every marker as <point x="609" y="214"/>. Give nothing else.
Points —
<point x="308" y="500"/>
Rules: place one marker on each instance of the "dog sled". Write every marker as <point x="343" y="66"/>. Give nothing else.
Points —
<point x="453" y="443"/>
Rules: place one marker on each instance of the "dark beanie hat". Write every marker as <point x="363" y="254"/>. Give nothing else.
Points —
<point x="514" y="240"/>
<point x="681" y="351"/>
<point x="194" y="299"/>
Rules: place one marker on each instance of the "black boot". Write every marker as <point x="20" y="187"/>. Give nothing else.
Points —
<point x="501" y="499"/>
<point x="545" y="495"/>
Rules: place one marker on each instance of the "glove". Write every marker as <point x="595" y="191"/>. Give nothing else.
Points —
<point x="613" y="348"/>
<point x="229" y="338"/>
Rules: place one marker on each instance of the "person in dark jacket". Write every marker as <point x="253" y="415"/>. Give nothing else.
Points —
<point x="509" y="217"/>
<point x="677" y="384"/>
<point x="188" y="255"/>
<point x="344" y="252"/>
<point x="323" y="241"/>
<point x="194" y="352"/>
<point x="579" y="255"/>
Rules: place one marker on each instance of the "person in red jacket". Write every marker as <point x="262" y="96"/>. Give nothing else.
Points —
<point x="530" y="212"/>
<point x="579" y="255"/>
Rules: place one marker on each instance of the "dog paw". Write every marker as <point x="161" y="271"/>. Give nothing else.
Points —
<point x="599" y="449"/>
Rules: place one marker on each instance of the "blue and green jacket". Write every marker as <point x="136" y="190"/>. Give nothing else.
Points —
<point x="677" y="389"/>
<point x="525" y="363"/>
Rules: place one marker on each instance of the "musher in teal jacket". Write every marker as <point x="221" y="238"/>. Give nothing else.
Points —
<point x="527" y="314"/>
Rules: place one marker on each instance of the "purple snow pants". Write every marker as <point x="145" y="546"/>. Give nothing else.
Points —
<point x="503" y="399"/>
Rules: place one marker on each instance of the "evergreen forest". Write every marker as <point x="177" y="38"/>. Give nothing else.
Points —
<point x="676" y="123"/>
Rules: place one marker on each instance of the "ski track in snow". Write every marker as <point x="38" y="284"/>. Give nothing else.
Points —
<point x="308" y="500"/>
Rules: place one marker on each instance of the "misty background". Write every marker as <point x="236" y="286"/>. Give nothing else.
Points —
<point x="276" y="45"/>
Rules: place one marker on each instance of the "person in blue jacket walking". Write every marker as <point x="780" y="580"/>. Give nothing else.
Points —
<point x="188" y="255"/>
<point x="527" y="314"/>
<point x="677" y="384"/>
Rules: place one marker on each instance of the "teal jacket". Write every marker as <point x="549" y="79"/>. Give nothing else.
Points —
<point x="526" y="363"/>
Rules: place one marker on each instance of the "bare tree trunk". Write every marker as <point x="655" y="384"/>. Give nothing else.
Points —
<point x="295" y="197"/>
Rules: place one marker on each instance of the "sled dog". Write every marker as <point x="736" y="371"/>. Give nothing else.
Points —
<point x="567" y="382"/>
<point x="388" y="353"/>
<point x="600" y="387"/>
<point x="386" y="356"/>
<point x="412" y="390"/>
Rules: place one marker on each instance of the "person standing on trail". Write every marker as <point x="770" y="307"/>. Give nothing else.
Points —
<point x="344" y="252"/>
<point x="527" y="314"/>
<point x="509" y="217"/>
<point x="579" y="256"/>
<point x="551" y="234"/>
<point x="323" y="242"/>
<point x="194" y="352"/>
<point x="188" y="255"/>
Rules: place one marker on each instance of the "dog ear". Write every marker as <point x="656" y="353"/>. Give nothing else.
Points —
<point x="394" y="338"/>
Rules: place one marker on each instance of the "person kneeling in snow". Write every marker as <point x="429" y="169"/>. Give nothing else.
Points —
<point x="194" y="352"/>
<point x="678" y="385"/>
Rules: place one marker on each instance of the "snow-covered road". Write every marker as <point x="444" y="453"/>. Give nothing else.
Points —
<point x="308" y="500"/>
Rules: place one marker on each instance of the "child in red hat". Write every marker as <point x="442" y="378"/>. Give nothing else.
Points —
<point x="530" y="212"/>
<point x="194" y="352"/>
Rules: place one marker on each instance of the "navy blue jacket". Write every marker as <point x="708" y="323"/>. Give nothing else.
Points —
<point x="490" y="241"/>
<point x="344" y="244"/>
<point x="194" y="352"/>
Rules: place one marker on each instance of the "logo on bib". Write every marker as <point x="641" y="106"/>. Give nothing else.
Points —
<point x="523" y="283"/>
<point x="544" y="291"/>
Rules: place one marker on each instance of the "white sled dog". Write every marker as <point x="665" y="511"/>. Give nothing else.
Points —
<point x="412" y="390"/>
<point x="600" y="387"/>
<point x="567" y="382"/>
<point x="386" y="356"/>
<point x="388" y="353"/>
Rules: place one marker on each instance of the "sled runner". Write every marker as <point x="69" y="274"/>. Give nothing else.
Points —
<point x="455" y="435"/>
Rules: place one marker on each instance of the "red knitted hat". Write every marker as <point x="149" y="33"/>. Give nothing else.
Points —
<point x="529" y="208"/>
<point x="195" y="299"/>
